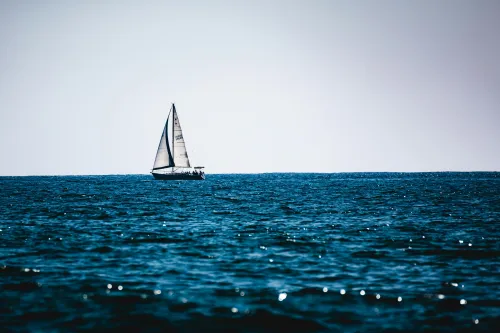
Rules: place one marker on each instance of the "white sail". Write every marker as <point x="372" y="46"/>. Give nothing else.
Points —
<point x="179" y="151"/>
<point x="163" y="155"/>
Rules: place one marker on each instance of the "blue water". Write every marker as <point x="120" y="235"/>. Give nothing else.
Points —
<point x="251" y="253"/>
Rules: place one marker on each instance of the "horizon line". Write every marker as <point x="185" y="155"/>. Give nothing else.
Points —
<point x="256" y="173"/>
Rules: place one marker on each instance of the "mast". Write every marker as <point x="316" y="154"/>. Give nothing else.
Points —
<point x="173" y="137"/>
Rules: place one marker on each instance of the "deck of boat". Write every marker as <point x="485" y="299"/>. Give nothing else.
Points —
<point x="178" y="176"/>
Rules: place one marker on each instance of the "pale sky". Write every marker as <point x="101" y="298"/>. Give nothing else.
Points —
<point x="259" y="86"/>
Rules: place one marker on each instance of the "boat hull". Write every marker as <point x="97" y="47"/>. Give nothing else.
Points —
<point x="178" y="176"/>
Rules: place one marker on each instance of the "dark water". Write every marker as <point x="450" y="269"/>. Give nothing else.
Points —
<point x="107" y="253"/>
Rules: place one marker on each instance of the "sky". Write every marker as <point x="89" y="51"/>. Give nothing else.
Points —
<point x="259" y="86"/>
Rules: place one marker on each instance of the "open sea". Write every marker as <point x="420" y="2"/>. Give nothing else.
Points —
<point x="346" y="252"/>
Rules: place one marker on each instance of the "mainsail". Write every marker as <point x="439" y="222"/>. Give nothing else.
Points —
<point x="163" y="155"/>
<point x="179" y="151"/>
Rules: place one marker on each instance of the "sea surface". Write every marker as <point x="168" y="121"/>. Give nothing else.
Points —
<point x="346" y="252"/>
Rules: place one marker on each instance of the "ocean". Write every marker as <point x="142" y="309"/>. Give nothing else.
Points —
<point x="344" y="252"/>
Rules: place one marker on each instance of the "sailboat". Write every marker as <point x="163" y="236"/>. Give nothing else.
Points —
<point x="172" y="161"/>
